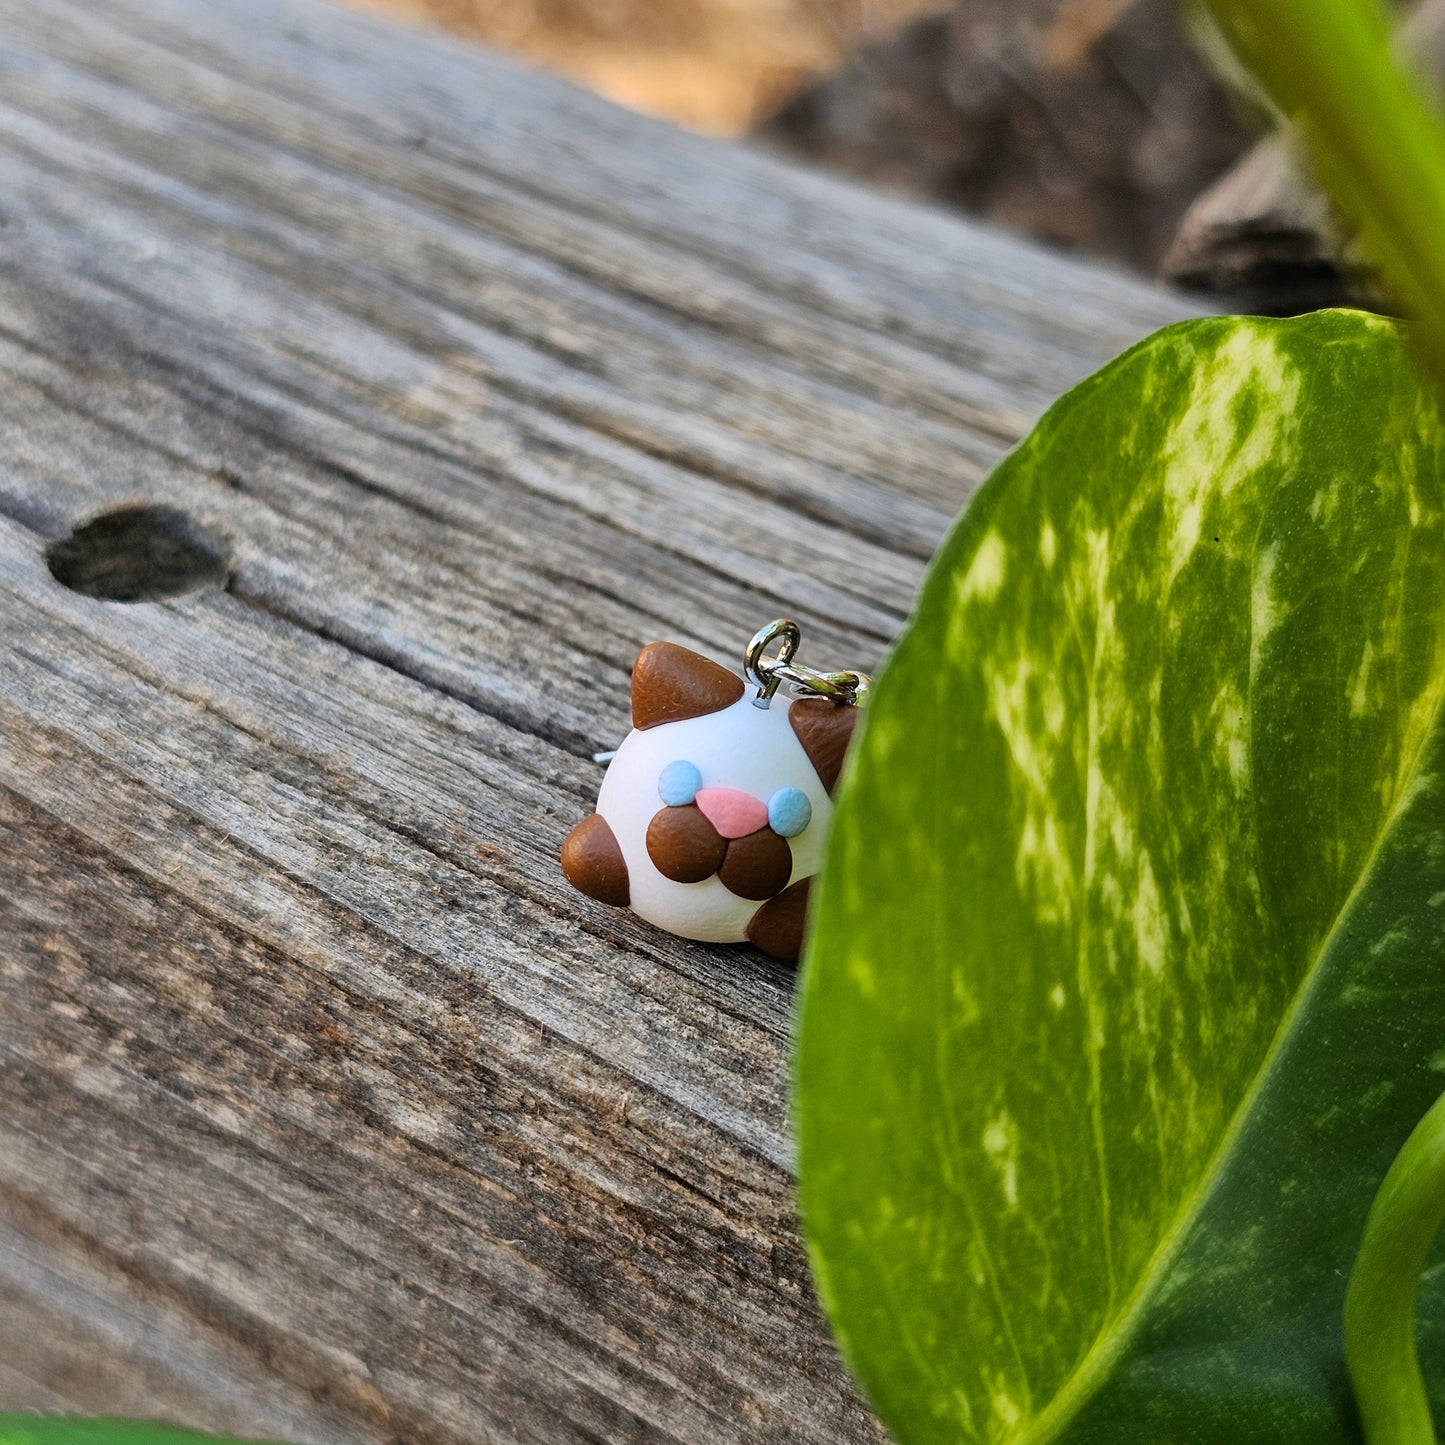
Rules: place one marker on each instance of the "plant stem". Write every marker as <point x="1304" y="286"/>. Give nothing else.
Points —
<point x="1380" y="1303"/>
<point x="1379" y="149"/>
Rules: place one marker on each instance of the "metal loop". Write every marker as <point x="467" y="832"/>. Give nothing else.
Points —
<point x="767" y="673"/>
<point x="763" y="671"/>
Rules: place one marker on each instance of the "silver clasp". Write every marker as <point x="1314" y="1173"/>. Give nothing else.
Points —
<point x="766" y="673"/>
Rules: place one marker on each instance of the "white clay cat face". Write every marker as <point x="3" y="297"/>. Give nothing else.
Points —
<point x="714" y="813"/>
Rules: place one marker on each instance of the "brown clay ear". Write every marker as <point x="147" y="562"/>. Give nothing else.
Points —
<point x="669" y="684"/>
<point x="593" y="863"/>
<point x="825" y="729"/>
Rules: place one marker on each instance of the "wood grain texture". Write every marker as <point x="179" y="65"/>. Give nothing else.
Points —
<point x="329" y="1111"/>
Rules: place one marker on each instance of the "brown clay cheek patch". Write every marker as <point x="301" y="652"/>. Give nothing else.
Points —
<point x="593" y="863"/>
<point x="757" y="866"/>
<point x="777" y="927"/>
<point x="684" y="846"/>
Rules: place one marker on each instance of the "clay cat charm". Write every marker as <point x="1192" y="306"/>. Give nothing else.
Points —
<point x="713" y="815"/>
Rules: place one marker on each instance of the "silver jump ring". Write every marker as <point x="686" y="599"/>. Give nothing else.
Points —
<point x="766" y="673"/>
<point x="762" y="671"/>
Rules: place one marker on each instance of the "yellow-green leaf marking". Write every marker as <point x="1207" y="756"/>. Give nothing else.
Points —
<point x="1128" y="974"/>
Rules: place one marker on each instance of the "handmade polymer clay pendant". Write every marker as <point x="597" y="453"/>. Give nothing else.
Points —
<point x="714" y="811"/>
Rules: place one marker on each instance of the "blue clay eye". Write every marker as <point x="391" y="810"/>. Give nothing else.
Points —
<point x="789" y="812"/>
<point x="679" y="783"/>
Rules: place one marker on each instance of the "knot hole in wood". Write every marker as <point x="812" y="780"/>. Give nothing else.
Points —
<point x="139" y="553"/>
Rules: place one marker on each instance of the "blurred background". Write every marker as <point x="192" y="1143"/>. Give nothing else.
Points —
<point x="1094" y="125"/>
<point x="712" y="65"/>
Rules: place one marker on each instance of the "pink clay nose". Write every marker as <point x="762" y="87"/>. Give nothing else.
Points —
<point x="732" y="813"/>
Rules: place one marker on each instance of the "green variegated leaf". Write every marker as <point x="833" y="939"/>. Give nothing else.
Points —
<point x="1127" y="980"/>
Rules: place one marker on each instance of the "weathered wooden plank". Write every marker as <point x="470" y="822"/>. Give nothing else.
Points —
<point x="69" y="1340"/>
<point x="327" y="1107"/>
